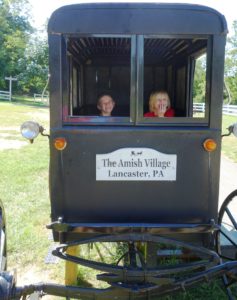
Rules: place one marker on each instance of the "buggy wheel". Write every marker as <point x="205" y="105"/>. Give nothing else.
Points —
<point x="3" y="248"/>
<point x="227" y="235"/>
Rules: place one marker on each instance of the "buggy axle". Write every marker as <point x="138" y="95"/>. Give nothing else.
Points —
<point x="9" y="291"/>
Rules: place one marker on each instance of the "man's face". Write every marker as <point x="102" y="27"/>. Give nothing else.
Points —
<point x="105" y="105"/>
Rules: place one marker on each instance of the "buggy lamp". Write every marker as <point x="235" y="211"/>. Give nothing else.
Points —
<point x="209" y="145"/>
<point x="30" y="130"/>
<point x="60" y="143"/>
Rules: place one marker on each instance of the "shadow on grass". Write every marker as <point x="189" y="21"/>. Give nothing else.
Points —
<point x="30" y="102"/>
<point x="83" y="282"/>
<point x="26" y="100"/>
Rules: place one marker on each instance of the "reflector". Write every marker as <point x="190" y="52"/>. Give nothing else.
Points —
<point x="209" y="145"/>
<point x="60" y="143"/>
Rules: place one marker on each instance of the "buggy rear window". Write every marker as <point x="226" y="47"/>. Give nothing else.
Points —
<point x="111" y="79"/>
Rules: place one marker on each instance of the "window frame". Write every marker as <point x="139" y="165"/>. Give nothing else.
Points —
<point x="174" y="121"/>
<point x="68" y="117"/>
<point x="136" y="117"/>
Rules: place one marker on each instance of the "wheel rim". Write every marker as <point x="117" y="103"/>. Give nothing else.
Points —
<point x="3" y="248"/>
<point x="227" y="236"/>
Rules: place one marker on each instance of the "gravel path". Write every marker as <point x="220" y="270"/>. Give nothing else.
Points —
<point x="228" y="178"/>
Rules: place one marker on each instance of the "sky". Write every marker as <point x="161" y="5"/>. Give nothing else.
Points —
<point x="43" y="9"/>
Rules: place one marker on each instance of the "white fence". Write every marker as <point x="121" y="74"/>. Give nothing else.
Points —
<point x="5" y="95"/>
<point x="198" y="107"/>
<point x="227" y="109"/>
<point x="38" y="97"/>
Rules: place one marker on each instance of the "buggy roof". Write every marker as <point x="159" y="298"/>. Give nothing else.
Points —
<point x="137" y="18"/>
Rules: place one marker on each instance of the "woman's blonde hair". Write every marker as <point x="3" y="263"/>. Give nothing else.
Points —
<point x="153" y="99"/>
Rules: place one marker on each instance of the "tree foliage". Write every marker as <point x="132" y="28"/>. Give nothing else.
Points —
<point x="34" y="66"/>
<point x="230" y="75"/>
<point x="23" y="50"/>
<point x="231" y="65"/>
<point x="199" y="82"/>
<point x="15" y="32"/>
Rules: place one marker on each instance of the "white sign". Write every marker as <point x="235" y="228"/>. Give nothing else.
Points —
<point x="136" y="164"/>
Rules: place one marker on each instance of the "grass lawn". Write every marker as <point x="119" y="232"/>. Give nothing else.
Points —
<point x="24" y="192"/>
<point x="229" y="143"/>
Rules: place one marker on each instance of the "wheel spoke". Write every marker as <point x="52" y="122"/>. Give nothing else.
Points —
<point x="231" y="217"/>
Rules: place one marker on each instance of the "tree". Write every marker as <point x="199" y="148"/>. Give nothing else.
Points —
<point x="199" y="83"/>
<point x="15" y="32"/>
<point x="231" y="66"/>
<point x="34" y="66"/>
<point x="23" y="50"/>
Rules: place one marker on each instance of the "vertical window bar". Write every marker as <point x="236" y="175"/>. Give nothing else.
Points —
<point x="209" y="59"/>
<point x="133" y="78"/>
<point x="140" y="77"/>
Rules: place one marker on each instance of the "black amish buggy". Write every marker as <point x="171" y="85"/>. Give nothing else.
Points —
<point x="143" y="182"/>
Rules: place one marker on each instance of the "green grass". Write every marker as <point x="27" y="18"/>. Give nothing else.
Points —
<point x="210" y="291"/>
<point x="229" y="143"/>
<point x="27" y="100"/>
<point x="24" y="192"/>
